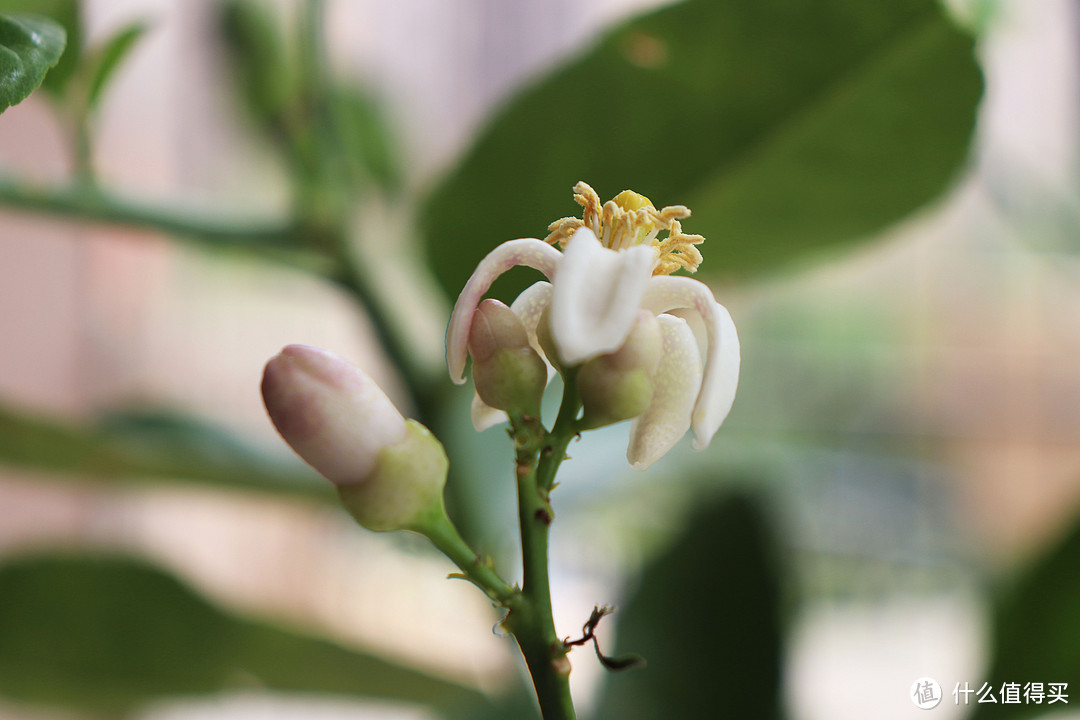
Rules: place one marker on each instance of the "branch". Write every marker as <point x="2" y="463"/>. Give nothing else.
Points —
<point x="93" y="205"/>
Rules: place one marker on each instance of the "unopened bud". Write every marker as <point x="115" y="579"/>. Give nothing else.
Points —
<point x="509" y="374"/>
<point x="619" y="386"/>
<point x="390" y="472"/>
<point x="405" y="490"/>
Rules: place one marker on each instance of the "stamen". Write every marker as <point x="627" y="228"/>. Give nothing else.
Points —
<point x="630" y="219"/>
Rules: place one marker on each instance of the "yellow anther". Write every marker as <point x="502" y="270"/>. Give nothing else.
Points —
<point x="631" y="219"/>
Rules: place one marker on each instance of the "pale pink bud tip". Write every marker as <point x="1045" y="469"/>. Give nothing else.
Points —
<point x="330" y="412"/>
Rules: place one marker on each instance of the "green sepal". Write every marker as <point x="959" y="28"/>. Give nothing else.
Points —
<point x="405" y="489"/>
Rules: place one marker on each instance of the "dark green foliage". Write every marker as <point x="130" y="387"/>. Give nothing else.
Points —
<point x="1036" y="631"/>
<point x="106" y="634"/>
<point x="707" y="620"/>
<point x="785" y="126"/>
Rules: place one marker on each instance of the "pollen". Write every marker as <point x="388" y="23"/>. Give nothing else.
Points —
<point x="631" y="219"/>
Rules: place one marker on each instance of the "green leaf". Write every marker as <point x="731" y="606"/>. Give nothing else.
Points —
<point x="154" y="447"/>
<point x="786" y="126"/>
<point x="110" y="634"/>
<point x="266" y="72"/>
<point x="108" y="58"/>
<point x="29" y="46"/>
<point x="1036" y="631"/>
<point x="368" y="145"/>
<point x="707" y="621"/>
<point x="518" y="702"/>
<point x="65" y="12"/>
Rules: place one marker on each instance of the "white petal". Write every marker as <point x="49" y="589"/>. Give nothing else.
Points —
<point x="529" y="306"/>
<point x="485" y="416"/>
<point x="675" y="389"/>
<point x="596" y="296"/>
<point x="722" y="360"/>
<point x="526" y="251"/>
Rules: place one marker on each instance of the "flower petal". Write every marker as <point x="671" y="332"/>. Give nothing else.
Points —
<point x="722" y="361"/>
<point x="525" y="251"/>
<point x="484" y="416"/>
<point x="529" y="306"/>
<point x="675" y="389"/>
<point x="596" y="297"/>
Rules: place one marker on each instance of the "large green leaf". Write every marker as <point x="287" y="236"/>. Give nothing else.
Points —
<point x="108" y="634"/>
<point x="29" y="46"/>
<point x="68" y="15"/>
<point x="707" y="620"/>
<point x="786" y="126"/>
<point x="156" y="447"/>
<point x="1036" y="632"/>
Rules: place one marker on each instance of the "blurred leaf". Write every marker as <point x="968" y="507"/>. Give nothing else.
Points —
<point x="109" y="57"/>
<point x="1036" y="636"/>
<point x="108" y="634"/>
<point x="68" y="15"/>
<point x="266" y="74"/>
<point x="707" y="621"/>
<point x="785" y="126"/>
<point x="368" y="144"/>
<point x="29" y="46"/>
<point x="147" y="447"/>
<point x="519" y="703"/>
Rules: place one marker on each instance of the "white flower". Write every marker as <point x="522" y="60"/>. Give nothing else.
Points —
<point x="613" y="266"/>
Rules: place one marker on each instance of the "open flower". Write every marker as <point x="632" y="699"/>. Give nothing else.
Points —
<point x="613" y="265"/>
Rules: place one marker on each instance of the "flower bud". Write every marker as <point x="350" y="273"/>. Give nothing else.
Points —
<point x="390" y="472"/>
<point x="619" y="386"/>
<point x="405" y="491"/>
<point x="509" y="374"/>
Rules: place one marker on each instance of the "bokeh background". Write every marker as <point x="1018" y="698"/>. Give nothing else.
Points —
<point x="894" y="496"/>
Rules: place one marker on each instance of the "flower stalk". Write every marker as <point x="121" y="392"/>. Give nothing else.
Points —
<point x="604" y="321"/>
<point x="530" y="620"/>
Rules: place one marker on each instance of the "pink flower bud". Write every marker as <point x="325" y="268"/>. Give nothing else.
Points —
<point x="330" y="412"/>
<point x="390" y="472"/>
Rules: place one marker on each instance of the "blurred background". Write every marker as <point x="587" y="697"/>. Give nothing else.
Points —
<point x="894" y="496"/>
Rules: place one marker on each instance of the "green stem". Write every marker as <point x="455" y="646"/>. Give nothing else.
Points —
<point x="531" y="620"/>
<point x="419" y="376"/>
<point x="446" y="538"/>
<point x="82" y="151"/>
<point x="93" y="205"/>
<point x="273" y="240"/>
<point x="564" y="430"/>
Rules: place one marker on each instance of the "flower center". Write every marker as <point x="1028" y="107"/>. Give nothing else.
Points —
<point x="630" y="219"/>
